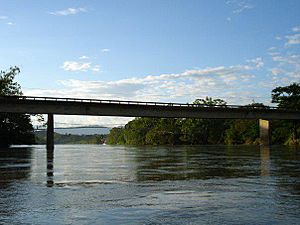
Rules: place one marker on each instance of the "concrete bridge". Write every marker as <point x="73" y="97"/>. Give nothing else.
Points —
<point x="95" y="107"/>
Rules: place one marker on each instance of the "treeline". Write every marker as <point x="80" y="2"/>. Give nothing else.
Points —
<point x="169" y="131"/>
<point x="40" y="138"/>
<point x="166" y="131"/>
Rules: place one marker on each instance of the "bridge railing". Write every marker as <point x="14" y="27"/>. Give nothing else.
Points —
<point x="106" y="101"/>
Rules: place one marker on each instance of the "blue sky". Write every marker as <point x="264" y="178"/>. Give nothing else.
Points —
<point x="174" y="51"/>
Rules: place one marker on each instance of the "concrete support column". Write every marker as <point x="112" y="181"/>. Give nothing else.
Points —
<point x="264" y="132"/>
<point x="50" y="150"/>
<point x="50" y="133"/>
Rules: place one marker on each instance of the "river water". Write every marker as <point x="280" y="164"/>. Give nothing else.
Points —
<point x="97" y="184"/>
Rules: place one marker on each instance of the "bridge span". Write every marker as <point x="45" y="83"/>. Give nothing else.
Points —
<point x="96" y="107"/>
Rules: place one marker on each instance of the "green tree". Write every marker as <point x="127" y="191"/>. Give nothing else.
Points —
<point x="116" y="136"/>
<point x="165" y="132"/>
<point x="242" y="131"/>
<point x="14" y="128"/>
<point x="204" y="131"/>
<point x="288" y="97"/>
<point x="136" y="130"/>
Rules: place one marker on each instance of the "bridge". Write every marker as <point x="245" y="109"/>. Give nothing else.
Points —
<point x="96" y="107"/>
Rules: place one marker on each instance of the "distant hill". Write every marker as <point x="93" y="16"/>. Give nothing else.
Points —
<point x="40" y="138"/>
<point x="84" y="131"/>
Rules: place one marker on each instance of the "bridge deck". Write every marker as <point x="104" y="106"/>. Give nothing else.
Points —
<point x="73" y="106"/>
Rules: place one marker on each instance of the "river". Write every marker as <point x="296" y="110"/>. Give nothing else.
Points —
<point x="101" y="184"/>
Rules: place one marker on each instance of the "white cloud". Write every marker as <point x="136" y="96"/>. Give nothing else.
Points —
<point x="277" y="71"/>
<point x="289" y="59"/>
<point x="258" y="62"/>
<point x="296" y="29"/>
<point x="96" y="68"/>
<point x="76" y="66"/>
<point x="238" y="7"/>
<point x="105" y="50"/>
<point x="272" y="49"/>
<point x="84" y="57"/>
<point x="287" y="69"/>
<point x="293" y="39"/>
<point x="10" y="23"/>
<point x="3" y="17"/>
<point x="68" y="11"/>
<point x="184" y="86"/>
<point x="242" y="7"/>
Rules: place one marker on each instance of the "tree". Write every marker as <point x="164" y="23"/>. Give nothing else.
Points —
<point x="14" y="128"/>
<point x="204" y="131"/>
<point x="288" y="97"/>
<point x="165" y="132"/>
<point x="241" y="131"/>
<point x="116" y="136"/>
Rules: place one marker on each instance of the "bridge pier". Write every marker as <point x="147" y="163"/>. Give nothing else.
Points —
<point x="50" y="133"/>
<point x="50" y="149"/>
<point x="264" y="132"/>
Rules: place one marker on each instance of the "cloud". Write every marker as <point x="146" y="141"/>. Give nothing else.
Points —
<point x="184" y="86"/>
<point x="285" y="68"/>
<point x="242" y="7"/>
<point x="288" y="59"/>
<point x="293" y="39"/>
<point x="105" y="50"/>
<point x="238" y="7"/>
<point x="257" y="62"/>
<point x="96" y="68"/>
<point x="3" y="17"/>
<point x="84" y="57"/>
<point x="68" y="11"/>
<point x="74" y="66"/>
<point x="296" y="29"/>
<point x="10" y="23"/>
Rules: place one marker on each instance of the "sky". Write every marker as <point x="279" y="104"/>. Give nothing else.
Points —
<point x="151" y="50"/>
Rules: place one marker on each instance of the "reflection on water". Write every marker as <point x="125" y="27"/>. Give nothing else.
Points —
<point x="265" y="160"/>
<point x="195" y="163"/>
<point x="93" y="184"/>
<point x="50" y="169"/>
<point x="15" y="164"/>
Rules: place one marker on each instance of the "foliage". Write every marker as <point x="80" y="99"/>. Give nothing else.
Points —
<point x="170" y="131"/>
<point x="242" y="132"/>
<point x="288" y="97"/>
<point x="116" y="136"/>
<point x="14" y="128"/>
<point x="7" y="84"/>
<point x="191" y="131"/>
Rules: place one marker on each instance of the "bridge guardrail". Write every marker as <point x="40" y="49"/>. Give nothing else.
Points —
<point x="108" y="101"/>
